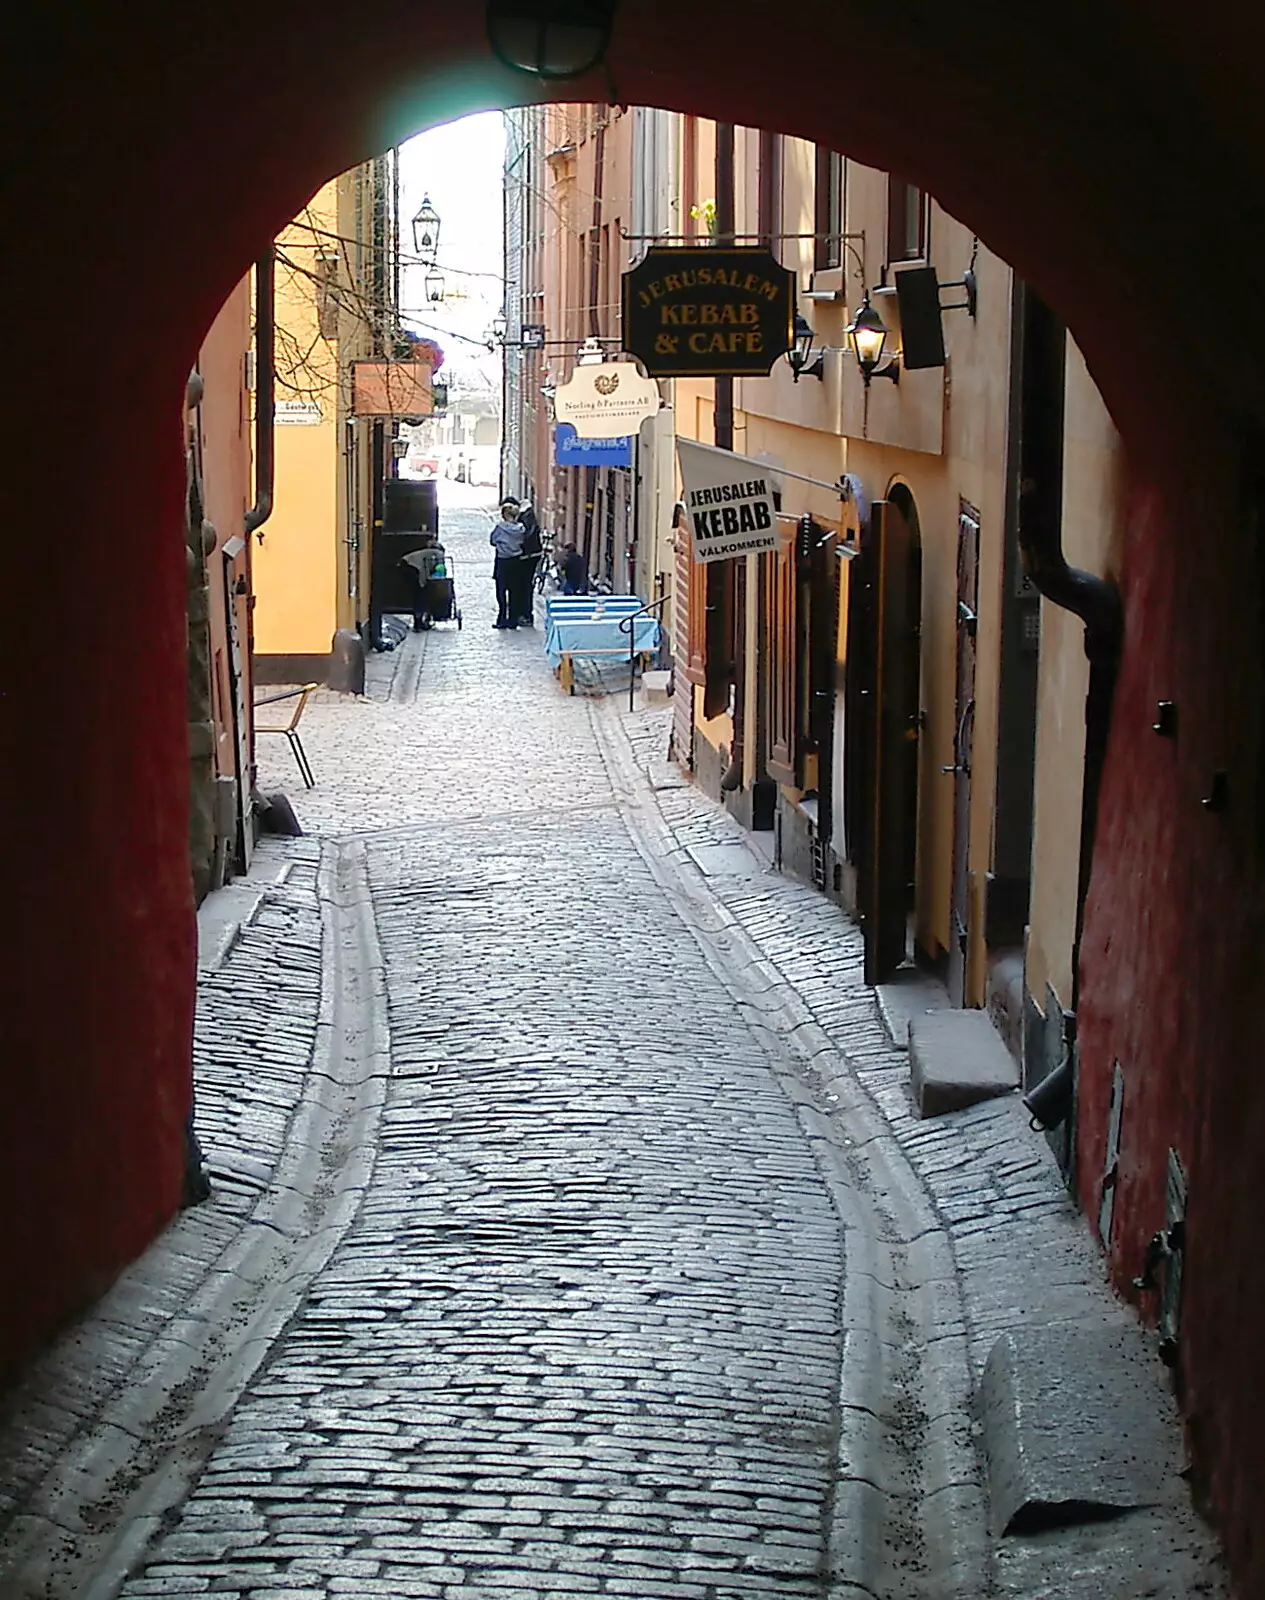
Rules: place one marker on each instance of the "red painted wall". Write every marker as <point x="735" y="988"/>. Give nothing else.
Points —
<point x="1170" y="969"/>
<point x="151" y="153"/>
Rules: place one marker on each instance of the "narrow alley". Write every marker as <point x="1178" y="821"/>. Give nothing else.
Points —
<point x="570" y="1230"/>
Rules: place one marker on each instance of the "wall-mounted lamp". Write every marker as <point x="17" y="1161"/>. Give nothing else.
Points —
<point x="801" y="352"/>
<point x="426" y="230"/>
<point x="550" y="38"/>
<point x="970" y="290"/>
<point x="867" y="335"/>
<point x="434" y="286"/>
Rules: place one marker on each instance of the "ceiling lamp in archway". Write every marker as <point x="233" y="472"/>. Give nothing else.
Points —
<point x="550" y="38"/>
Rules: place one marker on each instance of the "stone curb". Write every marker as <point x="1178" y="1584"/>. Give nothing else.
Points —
<point x="98" y="1507"/>
<point x="867" y="1172"/>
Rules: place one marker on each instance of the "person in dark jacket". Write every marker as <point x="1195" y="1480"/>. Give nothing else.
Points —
<point x="575" y="576"/>
<point x="529" y="565"/>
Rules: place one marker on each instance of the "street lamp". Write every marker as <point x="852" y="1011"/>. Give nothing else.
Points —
<point x="426" y="230"/>
<point x="867" y="334"/>
<point x="434" y="286"/>
<point x="550" y="38"/>
<point x="801" y="351"/>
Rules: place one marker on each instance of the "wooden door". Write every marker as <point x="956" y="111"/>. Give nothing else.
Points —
<point x="783" y="660"/>
<point x="236" y="600"/>
<point x="963" y="741"/>
<point x="894" y="633"/>
<point x="858" y="721"/>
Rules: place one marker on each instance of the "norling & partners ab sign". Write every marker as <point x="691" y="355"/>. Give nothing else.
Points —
<point x="708" y="312"/>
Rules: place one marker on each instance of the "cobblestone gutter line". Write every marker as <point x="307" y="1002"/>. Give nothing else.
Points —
<point x="109" y="1429"/>
<point x="908" y="1512"/>
<point x="992" y="1241"/>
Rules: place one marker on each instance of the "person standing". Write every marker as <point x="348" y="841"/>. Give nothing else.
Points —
<point x="506" y="540"/>
<point x="529" y="562"/>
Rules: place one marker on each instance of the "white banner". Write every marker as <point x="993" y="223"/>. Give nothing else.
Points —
<point x="729" y="501"/>
<point x="606" y="400"/>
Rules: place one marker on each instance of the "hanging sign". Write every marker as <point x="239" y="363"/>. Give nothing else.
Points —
<point x="729" y="501"/>
<point x="708" y="312"/>
<point x="569" y="450"/>
<point x="606" y="399"/>
<point x="391" y="389"/>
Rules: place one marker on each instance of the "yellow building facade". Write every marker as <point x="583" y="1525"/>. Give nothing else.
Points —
<point x="335" y="309"/>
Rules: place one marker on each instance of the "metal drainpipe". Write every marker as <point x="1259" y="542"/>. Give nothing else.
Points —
<point x="595" y="255"/>
<point x="265" y="383"/>
<point x="1096" y="601"/>
<point x="731" y="781"/>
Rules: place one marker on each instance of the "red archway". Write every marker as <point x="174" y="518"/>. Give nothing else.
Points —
<point x="154" y="150"/>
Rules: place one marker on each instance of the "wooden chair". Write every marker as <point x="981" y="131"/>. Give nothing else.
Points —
<point x="291" y="728"/>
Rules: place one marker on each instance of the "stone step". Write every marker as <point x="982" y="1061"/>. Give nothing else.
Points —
<point x="1077" y="1423"/>
<point x="957" y="1058"/>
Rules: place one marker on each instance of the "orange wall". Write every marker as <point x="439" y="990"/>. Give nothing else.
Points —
<point x="229" y="492"/>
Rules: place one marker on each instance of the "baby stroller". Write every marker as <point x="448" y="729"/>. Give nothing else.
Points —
<point x="436" y="598"/>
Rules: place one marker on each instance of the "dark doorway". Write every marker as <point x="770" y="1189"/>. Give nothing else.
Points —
<point x="910" y="717"/>
<point x="963" y="743"/>
<point x="817" y="614"/>
<point x="884" y="670"/>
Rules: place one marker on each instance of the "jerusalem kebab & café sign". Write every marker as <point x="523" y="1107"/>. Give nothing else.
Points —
<point x="708" y="311"/>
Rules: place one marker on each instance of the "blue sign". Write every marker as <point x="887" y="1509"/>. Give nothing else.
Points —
<point x="569" y="450"/>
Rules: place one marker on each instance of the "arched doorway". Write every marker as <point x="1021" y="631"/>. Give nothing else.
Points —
<point x="909" y="713"/>
<point x="143" y="191"/>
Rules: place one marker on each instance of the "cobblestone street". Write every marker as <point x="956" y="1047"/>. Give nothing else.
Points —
<point x="571" y="1231"/>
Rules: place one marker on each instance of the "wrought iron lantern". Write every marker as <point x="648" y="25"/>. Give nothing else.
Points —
<point x="800" y="355"/>
<point x="426" y="230"/>
<point x="867" y="336"/>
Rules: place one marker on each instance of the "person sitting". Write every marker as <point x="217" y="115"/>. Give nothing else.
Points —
<point x="428" y="563"/>
<point x="507" y="540"/>
<point x="575" y="573"/>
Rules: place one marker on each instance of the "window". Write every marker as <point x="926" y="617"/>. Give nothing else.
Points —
<point x="769" y="198"/>
<point x="692" y="200"/>
<point x="718" y="636"/>
<point x="906" y="221"/>
<point x="828" y="219"/>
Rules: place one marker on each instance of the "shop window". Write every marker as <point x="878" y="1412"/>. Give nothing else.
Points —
<point x="829" y="210"/>
<point x="718" y="633"/>
<point x="906" y="221"/>
<point x="769" y="196"/>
